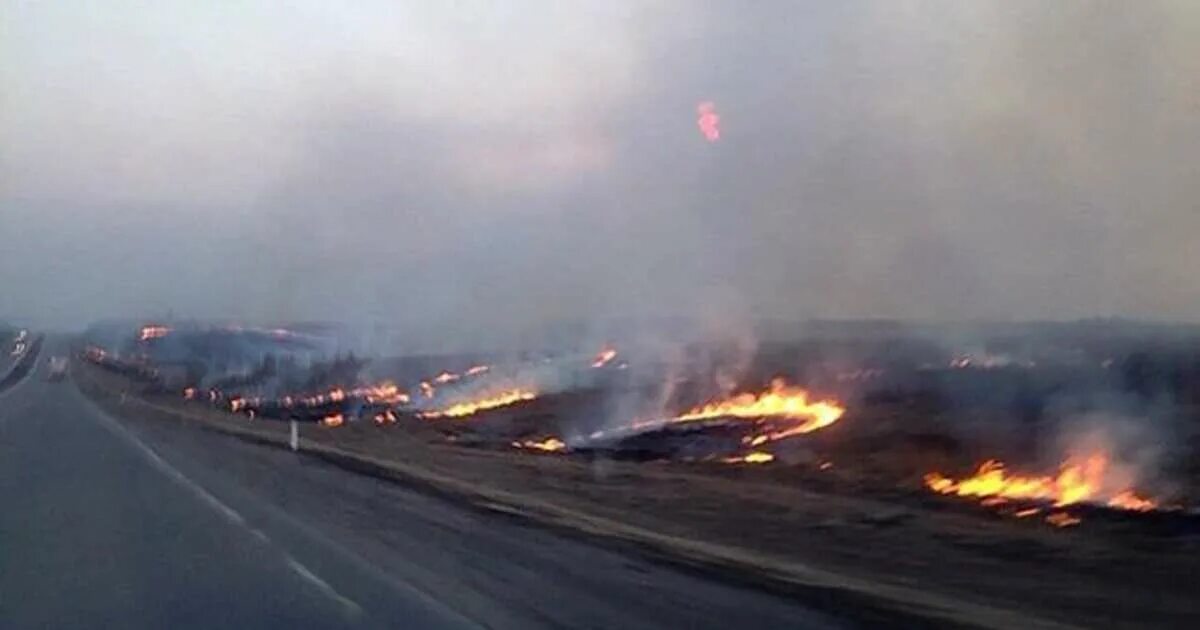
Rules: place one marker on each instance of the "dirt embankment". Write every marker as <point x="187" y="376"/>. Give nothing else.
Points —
<point x="782" y="527"/>
<point x="23" y="366"/>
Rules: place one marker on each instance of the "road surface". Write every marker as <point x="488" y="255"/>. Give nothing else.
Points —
<point x="141" y="524"/>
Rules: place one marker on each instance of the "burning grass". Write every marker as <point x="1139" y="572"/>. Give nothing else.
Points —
<point x="780" y="401"/>
<point x="870" y="515"/>
<point x="786" y="407"/>
<point x="780" y="426"/>
<point x="1079" y="480"/>
<point x="483" y="403"/>
<point x="754" y="457"/>
<point x="548" y="445"/>
<point x="152" y="331"/>
<point x="604" y="357"/>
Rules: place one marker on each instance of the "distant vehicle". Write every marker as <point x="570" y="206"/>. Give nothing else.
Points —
<point x="57" y="369"/>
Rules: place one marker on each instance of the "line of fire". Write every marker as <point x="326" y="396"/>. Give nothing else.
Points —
<point x="996" y="428"/>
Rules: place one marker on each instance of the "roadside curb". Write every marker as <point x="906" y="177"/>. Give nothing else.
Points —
<point x="738" y="565"/>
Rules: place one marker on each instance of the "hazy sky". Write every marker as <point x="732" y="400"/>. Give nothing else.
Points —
<point x="475" y="164"/>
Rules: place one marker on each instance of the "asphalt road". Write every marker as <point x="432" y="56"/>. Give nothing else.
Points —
<point x="142" y="524"/>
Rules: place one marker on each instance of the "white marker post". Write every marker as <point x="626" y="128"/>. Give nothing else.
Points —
<point x="294" y="439"/>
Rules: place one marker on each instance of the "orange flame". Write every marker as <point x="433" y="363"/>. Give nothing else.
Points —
<point x="1062" y="519"/>
<point x="754" y="457"/>
<point x="780" y="404"/>
<point x="1127" y="500"/>
<point x="476" y="370"/>
<point x="385" y="392"/>
<point x="1077" y="481"/>
<point x="493" y="401"/>
<point x="335" y="420"/>
<point x="780" y="401"/>
<point x="604" y="357"/>
<point x="549" y="445"/>
<point x="446" y="377"/>
<point x="153" y="332"/>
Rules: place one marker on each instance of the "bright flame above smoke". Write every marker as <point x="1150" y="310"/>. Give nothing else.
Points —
<point x="1078" y="481"/>
<point x="708" y="121"/>
<point x="492" y="401"/>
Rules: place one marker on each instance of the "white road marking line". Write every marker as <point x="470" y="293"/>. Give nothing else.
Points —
<point x="324" y="586"/>
<point x="229" y="513"/>
<point x="361" y="563"/>
<point x="399" y="584"/>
